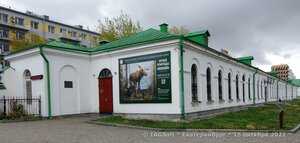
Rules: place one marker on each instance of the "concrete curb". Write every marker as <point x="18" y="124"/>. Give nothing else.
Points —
<point x="190" y="130"/>
<point x="92" y="115"/>
<point x="21" y="120"/>
<point x="295" y="129"/>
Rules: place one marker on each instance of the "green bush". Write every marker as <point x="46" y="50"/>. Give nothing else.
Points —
<point x="17" y="111"/>
<point x="2" y="116"/>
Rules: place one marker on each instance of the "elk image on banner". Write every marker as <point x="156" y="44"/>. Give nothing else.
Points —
<point x="145" y="79"/>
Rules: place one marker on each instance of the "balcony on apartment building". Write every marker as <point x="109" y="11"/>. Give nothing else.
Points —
<point x="4" y="35"/>
<point x="15" y="26"/>
<point x="5" y="38"/>
<point x="71" y="37"/>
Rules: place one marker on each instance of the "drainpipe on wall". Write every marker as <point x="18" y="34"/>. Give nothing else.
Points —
<point x="277" y="90"/>
<point x="182" y="77"/>
<point x="292" y="91"/>
<point x="254" y="85"/>
<point x="48" y="81"/>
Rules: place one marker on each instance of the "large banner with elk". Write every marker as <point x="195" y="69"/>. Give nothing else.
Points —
<point x="145" y="79"/>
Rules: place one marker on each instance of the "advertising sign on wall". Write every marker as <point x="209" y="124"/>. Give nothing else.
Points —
<point x="145" y="79"/>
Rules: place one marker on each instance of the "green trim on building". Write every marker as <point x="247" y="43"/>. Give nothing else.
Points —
<point x="203" y="32"/>
<point x="254" y="81"/>
<point x="273" y="73"/>
<point x="2" y="87"/>
<point x="48" y="81"/>
<point x="296" y="82"/>
<point x="182" y="78"/>
<point x="4" y="69"/>
<point x="247" y="60"/>
<point x="199" y="37"/>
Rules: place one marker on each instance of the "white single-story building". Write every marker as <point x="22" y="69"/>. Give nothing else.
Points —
<point x="140" y="77"/>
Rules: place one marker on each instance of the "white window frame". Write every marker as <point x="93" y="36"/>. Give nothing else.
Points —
<point x="51" y="29"/>
<point x="18" y="19"/>
<point x="34" y="25"/>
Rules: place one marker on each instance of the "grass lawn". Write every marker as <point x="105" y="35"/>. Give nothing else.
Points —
<point x="259" y="118"/>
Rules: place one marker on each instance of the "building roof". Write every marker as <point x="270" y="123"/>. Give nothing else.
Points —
<point x="65" y="46"/>
<point x="197" y="33"/>
<point x="144" y="37"/>
<point x="245" y="58"/>
<point x="296" y="82"/>
<point x="57" y="45"/>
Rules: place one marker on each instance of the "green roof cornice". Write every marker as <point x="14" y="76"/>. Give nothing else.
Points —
<point x="197" y="33"/>
<point x="273" y="73"/>
<point x="296" y="82"/>
<point x="246" y="60"/>
<point x="199" y="37"/>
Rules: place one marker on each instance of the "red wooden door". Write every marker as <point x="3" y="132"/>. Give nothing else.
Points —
<point x="105" y="95"/>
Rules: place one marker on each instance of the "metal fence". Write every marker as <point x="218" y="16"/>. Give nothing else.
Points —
<point x="22" y="105"/>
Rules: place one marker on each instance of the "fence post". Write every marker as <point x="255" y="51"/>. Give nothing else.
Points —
<point x="4" y="106"/>
<point x="281" y="119"/>
<point x="40" y="106"/>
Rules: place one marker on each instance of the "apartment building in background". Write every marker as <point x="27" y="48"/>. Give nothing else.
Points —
<point x="283" y="71"/>
<point x="291" y="74"/>
<point x="18" y="26"/>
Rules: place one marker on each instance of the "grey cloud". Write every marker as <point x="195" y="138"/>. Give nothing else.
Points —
<point x="287" y="56"/>
<point x="244" y="27"/>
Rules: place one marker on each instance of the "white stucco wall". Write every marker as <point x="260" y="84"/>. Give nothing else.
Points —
<point x="204" y="59"/>
<point x="68" y="66"/>
<point x="83" y="70"/>
<point x="14" y="78"/>
<point x="110" y="60"/>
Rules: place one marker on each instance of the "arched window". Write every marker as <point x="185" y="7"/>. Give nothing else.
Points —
<point x="194" y="83"/>
<point x="266" y="89"/>
<point x="208" y="84"/>
<point x="220" y="85"/>
<point x="249" y="90"/>
<point x="237" y="86"/>
<point x="105" y="73"/>
<point x="229" y="86"/>
<point x="258" y="89"/>
<point x="243" y="78"/>
<point x="28" y="86"/>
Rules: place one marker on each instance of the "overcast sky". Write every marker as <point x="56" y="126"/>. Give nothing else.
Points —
<point x="266" y="29"/>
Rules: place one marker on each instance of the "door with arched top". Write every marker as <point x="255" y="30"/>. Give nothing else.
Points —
<point x="105" y="92"/>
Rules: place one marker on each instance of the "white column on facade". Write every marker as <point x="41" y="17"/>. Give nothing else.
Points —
<point x="203" y="88"/>
<point x="225" y="85"/>
<point x="214" y="87"/>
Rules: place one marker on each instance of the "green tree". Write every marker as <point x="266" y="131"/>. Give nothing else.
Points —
<point x="20" y="44"/>
<point x="179" y="30"/>
<point x="118" y="27"/>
